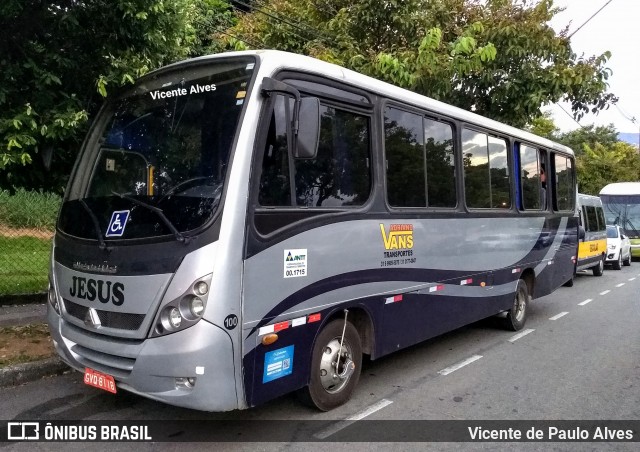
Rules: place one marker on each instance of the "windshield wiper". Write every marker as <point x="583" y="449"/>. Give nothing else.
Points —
<point x="96" y="225"/>
<point x="633" y="227"/>
<point x="179" y="237"/>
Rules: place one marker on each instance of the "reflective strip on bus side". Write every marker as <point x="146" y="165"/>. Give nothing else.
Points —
<point x="276" y="327"/>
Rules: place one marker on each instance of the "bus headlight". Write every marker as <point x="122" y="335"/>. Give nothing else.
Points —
<point x="175" y="319"/>
<point x="184" y="311"/>
<point x="53" y="298"/>
<point x="201" y="288"/>
<point x="196" y="306"/>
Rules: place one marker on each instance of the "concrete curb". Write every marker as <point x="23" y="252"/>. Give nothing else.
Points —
<point x="8" y="300"/>
<point x="26" y="372"/>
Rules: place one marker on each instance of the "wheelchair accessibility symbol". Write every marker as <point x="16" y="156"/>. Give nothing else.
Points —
<point x="117" y="224"/>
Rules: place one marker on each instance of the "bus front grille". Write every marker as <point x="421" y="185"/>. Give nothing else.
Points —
<point x="109" y="319"/>
<point x="116" y="366"/>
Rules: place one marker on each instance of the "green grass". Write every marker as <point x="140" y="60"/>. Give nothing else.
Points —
<point x="29" y="209"/>
<point x="24" y="265"/>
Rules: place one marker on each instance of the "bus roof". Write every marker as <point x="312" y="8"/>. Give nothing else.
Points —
<point x="621" y="188"/>
<point x="272" y="61"/>
<point x="588" y="200"/>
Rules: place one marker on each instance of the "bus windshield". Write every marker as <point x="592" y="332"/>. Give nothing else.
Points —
<point x="623" y="210"/>
<point x="160" y="153"/>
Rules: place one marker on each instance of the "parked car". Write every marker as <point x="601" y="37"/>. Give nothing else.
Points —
<point x="618" y="248"/>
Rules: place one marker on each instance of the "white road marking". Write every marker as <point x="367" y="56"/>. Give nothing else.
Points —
<point x="556" y="317"/>
<point x="350" y="420"/>
<point x="521" y="334"/>
<point x="632" y="279"/>
<point x="620" y="285"/>
<point x="588" y="300"/>
<point x="605" y="292"/>
<point x="460" y="365"/>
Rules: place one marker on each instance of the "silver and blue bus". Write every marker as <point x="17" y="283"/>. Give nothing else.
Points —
<point x="621" y="201"/>
<point x="244" y="225"/>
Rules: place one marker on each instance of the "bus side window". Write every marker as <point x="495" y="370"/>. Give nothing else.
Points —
<point x="406" y="159"/>
<point x="441" y="167"/>
<point x="339" y="175"/>
<point x="602" y="223"/>
<point x="275" y="187"/>
<point x="533" y="193"/>
<point x="420" y="160"/>
<point x="564" y="196"/>
<point x="486" y="176"/>
<point x="592" y="218"/>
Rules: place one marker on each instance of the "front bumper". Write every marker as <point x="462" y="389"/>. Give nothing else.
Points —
<point x="150" y="367"/>
<point x="612" y="256"/>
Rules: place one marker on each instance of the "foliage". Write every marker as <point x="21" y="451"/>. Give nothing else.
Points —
<point x="499" y="58"/>
<point x="601" y="158"/>
<point x="603" y="164"/>
<point x="29" y="209"/>
<point x="60" y="58"/>
<point x="591" y="136"/>
<point x="544" y="126"/>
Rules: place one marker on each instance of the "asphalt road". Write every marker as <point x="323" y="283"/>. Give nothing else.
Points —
<point x="578" y="358"/>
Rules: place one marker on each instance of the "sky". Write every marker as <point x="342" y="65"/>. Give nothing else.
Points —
<point x="617" y="29"/>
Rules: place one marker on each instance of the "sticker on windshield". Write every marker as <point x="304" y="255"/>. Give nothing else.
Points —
<point x="117" y="224"/>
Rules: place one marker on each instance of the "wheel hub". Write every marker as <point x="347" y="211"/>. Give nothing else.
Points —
<point x="334" y="373"/>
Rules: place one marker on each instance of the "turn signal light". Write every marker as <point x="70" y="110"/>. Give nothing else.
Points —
<point x="269" y="339"/>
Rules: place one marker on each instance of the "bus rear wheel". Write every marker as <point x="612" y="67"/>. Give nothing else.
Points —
<point x="335" y="368"/>
<point x="517" y="315"/>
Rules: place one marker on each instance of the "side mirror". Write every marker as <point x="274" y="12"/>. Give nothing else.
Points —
<point x="306" y="146"/>
<point x="581" y="233"/>
<point x="305" y="124"/>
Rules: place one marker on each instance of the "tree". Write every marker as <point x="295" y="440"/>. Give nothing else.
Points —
<point x="601" y="158"/>
<point x="60" y="58"/>
<point x="590" y="135"/>
<point x="499" y="58"/>
<point x="544" y="126"/>
<point x="604" y="164"/>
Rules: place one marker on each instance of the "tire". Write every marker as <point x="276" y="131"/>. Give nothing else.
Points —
<point x="326" y="391"/>
<point x="569" y="283"/>
<point x="598" y="270"/>
<point x="627" y="261"/>
<point x="517" y="315"/>
<point x="617" y="265"/>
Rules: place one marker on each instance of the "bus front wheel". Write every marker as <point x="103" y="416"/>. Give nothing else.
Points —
<point x="335" y="366"/>
<point x="517" y="315"/>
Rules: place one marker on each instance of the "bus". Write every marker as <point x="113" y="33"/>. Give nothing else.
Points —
<point x="249" y="224"/>
<point x="621" y="202"/>
<point x="592" y="246"/>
